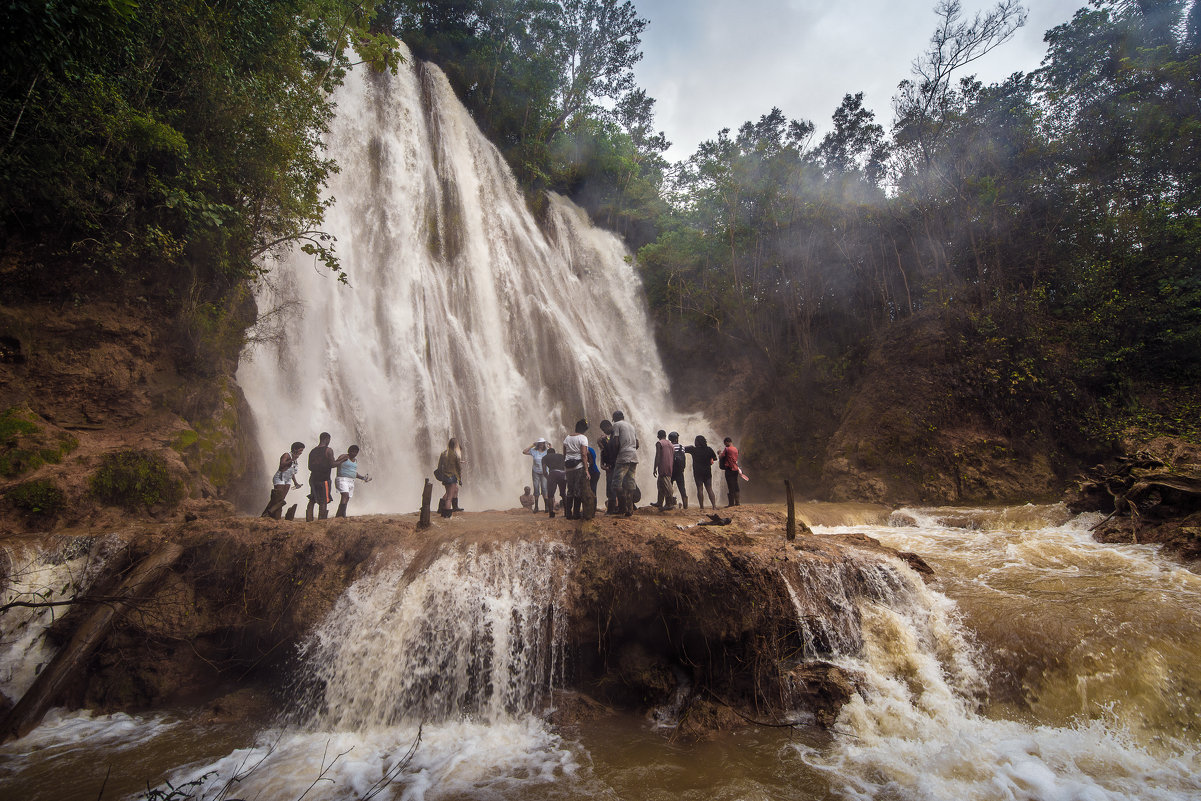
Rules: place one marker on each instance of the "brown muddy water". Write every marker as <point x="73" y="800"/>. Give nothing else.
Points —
<point x="1037" y="665"/>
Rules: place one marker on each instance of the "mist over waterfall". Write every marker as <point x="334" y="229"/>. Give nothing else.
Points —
<point x="464" y="316"/>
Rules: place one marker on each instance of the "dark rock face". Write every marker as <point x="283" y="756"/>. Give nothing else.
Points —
<point x="705" y="629"/>
<point x="1152" y="495"/>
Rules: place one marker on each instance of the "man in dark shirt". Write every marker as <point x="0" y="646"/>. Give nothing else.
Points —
<point x="321" y="464"/>
<point x="608" y="446"/>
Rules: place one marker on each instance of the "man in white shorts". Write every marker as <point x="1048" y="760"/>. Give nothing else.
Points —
<point x="348" y="471"/>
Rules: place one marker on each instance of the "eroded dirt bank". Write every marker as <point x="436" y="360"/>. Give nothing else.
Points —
<point x="696" y="625"/>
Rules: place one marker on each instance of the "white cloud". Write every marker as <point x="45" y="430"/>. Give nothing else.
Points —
<point x="714" y="64"/>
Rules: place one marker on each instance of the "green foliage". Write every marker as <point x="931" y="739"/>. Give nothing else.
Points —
<point x="24" y="447"/>
<point x="135" y="480"/>
<point x="38" y="498"/>
<point x="176" y="140"/>
<point x="551" y="83"/>
<point x="1050" y="223"/>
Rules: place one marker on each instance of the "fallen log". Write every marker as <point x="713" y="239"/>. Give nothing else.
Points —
<point x="27" y="713"/>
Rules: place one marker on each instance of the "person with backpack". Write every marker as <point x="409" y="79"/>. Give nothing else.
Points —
<point x="679" y="462"/>
<point x="450" y="473"/>
<point x="729" y="463"/>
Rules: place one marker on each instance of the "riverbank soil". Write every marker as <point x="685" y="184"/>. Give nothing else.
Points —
<point x="694" y="626"/>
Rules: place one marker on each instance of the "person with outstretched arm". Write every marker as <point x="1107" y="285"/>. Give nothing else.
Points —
<point x="348" y="473"/>
<point x="283" y="480"/>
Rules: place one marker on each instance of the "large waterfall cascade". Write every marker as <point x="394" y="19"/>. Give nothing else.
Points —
<point x="464" y="317"/>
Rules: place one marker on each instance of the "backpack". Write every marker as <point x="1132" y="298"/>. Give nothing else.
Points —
<point x="679" y="461"/>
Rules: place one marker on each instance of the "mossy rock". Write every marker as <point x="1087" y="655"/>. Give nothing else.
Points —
<point x="136" y="480"/>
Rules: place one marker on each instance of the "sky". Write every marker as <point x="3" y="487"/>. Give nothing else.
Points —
<point x="713" y="64"/>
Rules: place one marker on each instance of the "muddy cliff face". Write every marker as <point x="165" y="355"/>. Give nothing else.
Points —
<point x="79" y="384"/>
<point x="702" y="628"/>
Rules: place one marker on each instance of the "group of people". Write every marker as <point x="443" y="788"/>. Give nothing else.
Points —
<point x="574" y="474"/>
<point x="322" y="464"/>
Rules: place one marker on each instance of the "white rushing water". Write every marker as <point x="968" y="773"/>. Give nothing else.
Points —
<point x="460" y="654"/>
<point x="48" y="580"/>
<point x="1098" y="721"/>
<point x="464" y="317"/>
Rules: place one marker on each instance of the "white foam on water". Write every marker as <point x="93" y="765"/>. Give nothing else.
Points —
<point x="467" y="759"/>
<point x="65" y="731"/>
<point x="919" y="730"/>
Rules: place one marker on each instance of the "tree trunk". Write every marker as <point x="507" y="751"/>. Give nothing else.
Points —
<point x="28" y="712"/>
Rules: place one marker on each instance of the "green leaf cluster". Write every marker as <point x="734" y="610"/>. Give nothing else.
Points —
<point x="551" y="83"/>
<point x="176" y="141"/>
<point x="38" y="498"/>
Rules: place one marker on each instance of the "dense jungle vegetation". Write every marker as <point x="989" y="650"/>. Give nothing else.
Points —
<point x="1042" y="232"/>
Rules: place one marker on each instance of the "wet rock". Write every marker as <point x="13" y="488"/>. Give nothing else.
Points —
<point x="823" y="689"/>
<point x="917" y="563"/>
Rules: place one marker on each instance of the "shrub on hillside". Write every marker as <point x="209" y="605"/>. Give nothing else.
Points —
<point x="39" y="498"/>
<point x="135" y="480"/>
<point x="25" y="447"/>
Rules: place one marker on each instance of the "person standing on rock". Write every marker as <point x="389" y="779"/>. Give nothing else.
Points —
<point x="625" y="463"/>
<point x="283" y="480"/>
<point x="575" y="462"/>
<point x="729" y="463"/>
<point x="608" y="459"/>
<point x="321" y="463"/>
<point x="537" y="451"/>
<point x="348" y="472"/>
<point x="527" y="500"/>
<point x="450" y="473"/>
<point x="703" y="458"/>
<point x="664" y="464"/>
<point x="556" y="479"/>
<point x="677" y="467"/>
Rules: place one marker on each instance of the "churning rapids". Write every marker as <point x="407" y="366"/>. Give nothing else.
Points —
<point x="1037" y="665"/>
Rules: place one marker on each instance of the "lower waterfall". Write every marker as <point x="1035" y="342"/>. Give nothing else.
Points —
<point x="478" y="633"/>
<point x="1036" y="665"/>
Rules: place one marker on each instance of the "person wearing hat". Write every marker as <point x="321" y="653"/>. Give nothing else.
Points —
<point x="537" y="475"/>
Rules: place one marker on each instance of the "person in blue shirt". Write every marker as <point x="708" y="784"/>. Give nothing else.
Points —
<point x="348" y="470"/>
<point x="537" y="474"/>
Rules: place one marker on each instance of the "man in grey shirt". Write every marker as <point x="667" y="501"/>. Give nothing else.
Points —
<point x="625" y="464"/>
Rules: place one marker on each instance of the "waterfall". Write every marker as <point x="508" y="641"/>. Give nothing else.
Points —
<point x="464" y="316"/>
<point x="35" y="576"/>
<point x="479" y="633"/>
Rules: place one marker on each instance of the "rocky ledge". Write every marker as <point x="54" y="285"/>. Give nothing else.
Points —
<point x="702" y="627"/>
